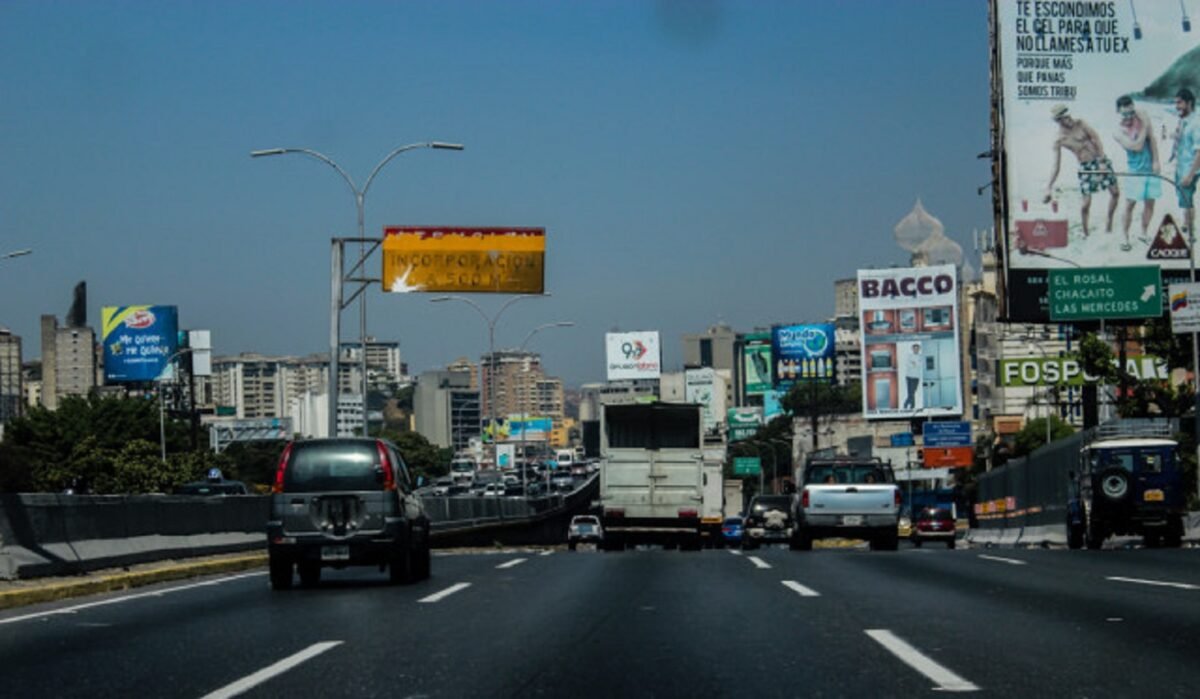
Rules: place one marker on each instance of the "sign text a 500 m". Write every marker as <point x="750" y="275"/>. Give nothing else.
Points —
<point x="478" y="260"/>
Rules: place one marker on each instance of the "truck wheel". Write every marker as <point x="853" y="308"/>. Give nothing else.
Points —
<point x="400" y="568"/>
<point x="916" y="542"/>
<point x="281" y="573"/>
<point x="1074" y="536"/>
<point x="889" y="541"/>
<point x="951" y="543"/>
<point x="571" y="545"/>
<point x="310" y="573"/>
<point x="801" y="542"/>
<point x="1152" y="540"/>
<point x="1174" y="536"/>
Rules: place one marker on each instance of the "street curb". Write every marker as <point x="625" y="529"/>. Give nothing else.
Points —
<point x="124" y="581"/>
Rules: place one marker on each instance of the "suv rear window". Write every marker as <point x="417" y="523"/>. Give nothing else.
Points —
<point x="331" y="466"/>
<point x="772" y="502"/>
<point x="938" y="514"/>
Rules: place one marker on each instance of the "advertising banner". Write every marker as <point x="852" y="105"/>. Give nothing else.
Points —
<point x="743" y="423"/>
<point x="947" y="434"/>
<point x="943" y="457"/>
<point x="506" y="456"/>
<point x="756" y="363"/>
<point x="1184" y="302"/>
<point x="910" y="347"/>
<point x="527" y="428"/>
<point x="138" y="341"/>
<point x="477" y="260"/>
<point x="1097" y="145"/>
<point x="633" y="355"/>
<point x="698" y="388"/>
<point x="802" y="353"/>
<point x="1066" y="371"/>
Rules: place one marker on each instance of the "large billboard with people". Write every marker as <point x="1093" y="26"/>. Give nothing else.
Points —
<point x="1100" y="136"/>
<point x="910" y="345"/>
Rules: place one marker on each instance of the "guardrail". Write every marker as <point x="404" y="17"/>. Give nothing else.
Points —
<point x="53" y="534"/>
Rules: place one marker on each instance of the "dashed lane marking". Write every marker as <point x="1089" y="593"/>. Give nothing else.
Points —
<point x="999" y="559"/>
<point x="802" y="590"/>
<point x="758" y="562"/>
<point x="250" y="681"/>
<point x="735" y="552"/>
<point x="1157" y="583"/>
<point x="439" y="596"/>
<point x="510" y="564"/>
<point x="945" y="680"/>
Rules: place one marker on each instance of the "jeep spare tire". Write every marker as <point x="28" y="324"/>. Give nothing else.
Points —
<point x="1114" y="484"/>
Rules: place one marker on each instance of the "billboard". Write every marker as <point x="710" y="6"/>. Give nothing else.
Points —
<point x="138" y="341"/>
<point x="453" y="258"/>
<point x="1185" y="307"/>
<point x="699" y="387"/>
<point x="756" y="363"/>
<point x="802" y="353"/>
<point x="910" y="347"/>
<point x="529" y="428"/>
<point x="633" y="355"/>
<point x="1095" y="145"/>
<point x="1067" y="371"/>
<point x="744" y="422"/>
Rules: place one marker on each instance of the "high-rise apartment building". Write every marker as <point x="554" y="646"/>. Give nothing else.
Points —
<point x="69" y="366"/>
<point x="11" y="391"/>
<point x="514" y="384"/>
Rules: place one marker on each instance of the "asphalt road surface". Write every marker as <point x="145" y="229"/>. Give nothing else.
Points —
<point x="768" y="623"/>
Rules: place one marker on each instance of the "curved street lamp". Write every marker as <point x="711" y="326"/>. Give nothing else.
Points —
<point x="360" y="196"/>
<point x="490" y="321"/>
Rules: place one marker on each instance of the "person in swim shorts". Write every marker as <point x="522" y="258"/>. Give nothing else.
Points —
<point x="1095" y="170"/>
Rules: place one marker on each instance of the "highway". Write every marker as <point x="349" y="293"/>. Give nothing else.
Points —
<point x="519" y="623"/>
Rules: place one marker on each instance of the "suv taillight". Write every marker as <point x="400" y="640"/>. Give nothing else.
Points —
<point x="283" y="463"/>
<point x="614" y="512"/>
<point x="688" y="513"/>
<point x="804" y="498"/>
<point x="896" y="498"/>
<point x="389" y="474"/>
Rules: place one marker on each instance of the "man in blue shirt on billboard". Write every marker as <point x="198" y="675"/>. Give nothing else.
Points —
<point x="1187" y="155"/>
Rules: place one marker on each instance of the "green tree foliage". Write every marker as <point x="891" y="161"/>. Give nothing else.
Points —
<point x="95" y="444"/>
<point x="1033" y="435"/>
<point x="253" y="462"/>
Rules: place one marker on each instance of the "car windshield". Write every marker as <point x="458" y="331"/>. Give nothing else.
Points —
<point x="332" y="466"/>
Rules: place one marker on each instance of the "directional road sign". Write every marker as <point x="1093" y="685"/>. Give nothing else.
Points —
<point x="947" y="434"/>
<point x="1106" y="293"/>
<point x="747" y="466"/>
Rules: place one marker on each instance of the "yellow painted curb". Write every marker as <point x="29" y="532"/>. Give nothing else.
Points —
<point x="124" y="581"/>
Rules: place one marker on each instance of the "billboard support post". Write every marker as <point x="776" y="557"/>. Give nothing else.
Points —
<point x="360" y="196"/>
<point x="162" y="412"/>
<point x="335" y="333"/>
<point x="1195" y="361"/>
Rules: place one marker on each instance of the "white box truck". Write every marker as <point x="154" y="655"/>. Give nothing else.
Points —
<point x="651" y="474"/>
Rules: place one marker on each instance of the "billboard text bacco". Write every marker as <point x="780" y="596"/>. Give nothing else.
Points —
<point x="910" y="352"/>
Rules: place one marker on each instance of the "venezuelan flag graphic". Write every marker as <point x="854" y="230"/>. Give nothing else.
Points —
<point x="1179" y="301"/>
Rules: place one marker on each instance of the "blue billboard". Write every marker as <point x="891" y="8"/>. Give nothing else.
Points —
<point x="138" y="341"/>
<point x="802" y="353"/>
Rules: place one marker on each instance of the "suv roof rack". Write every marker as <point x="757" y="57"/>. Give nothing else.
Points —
<point x="1147" y="427"/>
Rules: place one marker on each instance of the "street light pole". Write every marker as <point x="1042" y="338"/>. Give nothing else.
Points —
<point x="339" y="277"/>
<point x="162" y="413"/>
<point x="491" y="326"/>
<point x="525" y="403"/>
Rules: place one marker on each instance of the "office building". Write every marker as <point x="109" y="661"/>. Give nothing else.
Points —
<point x="12" y="395"/>
<point x="446" y="408"/>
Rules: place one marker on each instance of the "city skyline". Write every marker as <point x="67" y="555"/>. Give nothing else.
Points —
<point x="692" y="163"/>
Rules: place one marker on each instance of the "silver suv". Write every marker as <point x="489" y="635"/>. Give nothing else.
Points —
<point x="345" y="502"/>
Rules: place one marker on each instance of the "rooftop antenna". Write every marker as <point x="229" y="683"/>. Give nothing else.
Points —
<point x="1187" y="23"/>
<point x="1137" y="30"/>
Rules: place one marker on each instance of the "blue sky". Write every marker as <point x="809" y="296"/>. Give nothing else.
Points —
<point x="691" y="162"/>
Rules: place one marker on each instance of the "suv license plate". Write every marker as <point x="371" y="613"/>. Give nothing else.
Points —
<point x="1153" y="495"/>
<point x="335" y="553"/>
<point x="852" y="520"/>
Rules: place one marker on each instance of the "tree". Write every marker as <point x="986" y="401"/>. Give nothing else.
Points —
<point x="423" y="457"/>
<point x="1033" y="435"/>
<point x="815" y="401"/>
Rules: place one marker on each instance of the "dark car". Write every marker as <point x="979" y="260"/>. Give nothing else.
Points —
<point x="933" y="524"/>
<point x="769" y="519"/>
<point x="221" y="487"/>
<point x="345" y="502"/>
<point x="731" y="531"/>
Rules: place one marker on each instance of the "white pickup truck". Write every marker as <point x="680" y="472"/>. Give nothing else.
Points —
<point x="848" y="498"/>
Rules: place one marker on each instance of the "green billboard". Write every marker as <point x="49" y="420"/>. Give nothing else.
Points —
<point x="756" y="363"/>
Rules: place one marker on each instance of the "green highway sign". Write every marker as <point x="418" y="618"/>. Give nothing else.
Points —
<point x="747" y="466"/>
<point x="1105" y="293"/>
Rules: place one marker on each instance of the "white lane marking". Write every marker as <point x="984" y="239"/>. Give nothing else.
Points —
<point x="1158" y="583"/>
<point x="510" y="564"/>
<point x="758" y="562"/>
<point x="1010" y="561"/>
<point x="127" y="598"/>
<point x="251" y="681"/>
<point x="946" y="680"/>
<point x="547" y="552"/>
<point x="735" y="552"/>
<point x="439" y="596"/>
<point x="804" y="591"/>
